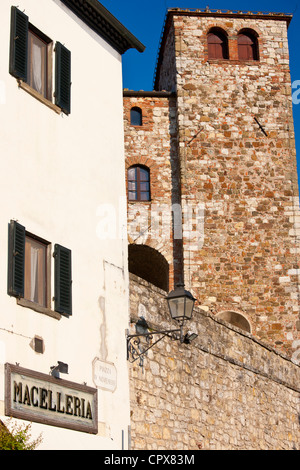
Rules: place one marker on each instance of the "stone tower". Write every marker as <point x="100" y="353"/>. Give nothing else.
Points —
<point x="235" y="164"/>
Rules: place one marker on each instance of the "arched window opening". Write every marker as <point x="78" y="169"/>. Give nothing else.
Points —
<point x="217" y="44"/>
<point x="149" y="264"/>
<point x="235" y="319"/>
<point x="248" y="45"/>
<point x="138" y="183"/>
<point x="136" y="116"/>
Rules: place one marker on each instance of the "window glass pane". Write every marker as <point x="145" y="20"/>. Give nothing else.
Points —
<point x="132" y="196"/>
<point x="35" y="272"/>
<point x="144" y="174"/>
<point x="145" y="196"/>
<point x="132" y="185"/>
<point x="144" y="186"/>
<point x="132" y="174"/>
<point x="136" y="117"/>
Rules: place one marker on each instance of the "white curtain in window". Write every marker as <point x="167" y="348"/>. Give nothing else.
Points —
<point x="34" y="274"/>
<point x="37" y="70"/>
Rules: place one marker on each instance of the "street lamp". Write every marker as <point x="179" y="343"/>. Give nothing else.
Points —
<point x="61" y="367"/>
<point x="181" y="305"/>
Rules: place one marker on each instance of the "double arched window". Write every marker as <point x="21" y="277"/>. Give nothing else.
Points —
<point x="247" y="44"/>
<point x="217" y="44"/>
<point x="138" y="183"/>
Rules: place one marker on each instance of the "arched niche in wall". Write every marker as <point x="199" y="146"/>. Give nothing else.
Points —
<point x="149" y="264"/>
<point x="235" y="319"/>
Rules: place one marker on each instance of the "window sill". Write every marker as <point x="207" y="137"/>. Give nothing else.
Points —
<point x="234" y="61"/>
<point x="24" y="86"/>
<point x="38" y="308"/>
<point x="137" y="201"/>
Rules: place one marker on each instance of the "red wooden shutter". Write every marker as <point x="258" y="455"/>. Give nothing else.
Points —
<point x="217" y="46"/>
<point x="247" y="47"/>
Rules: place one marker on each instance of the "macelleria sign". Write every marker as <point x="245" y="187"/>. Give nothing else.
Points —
<point x="42" y="398"/>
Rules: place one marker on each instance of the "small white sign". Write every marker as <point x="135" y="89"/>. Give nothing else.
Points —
<point x="104" y="375"/>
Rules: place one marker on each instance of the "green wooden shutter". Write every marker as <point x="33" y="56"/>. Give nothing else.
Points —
<point x="63" y="78"/>
<point x="18" y="44"/>
<point x="63" y="280"/>
<point x="16" y="259"/>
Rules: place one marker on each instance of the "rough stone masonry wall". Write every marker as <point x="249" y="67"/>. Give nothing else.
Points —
<point x="226" y="390"/>
<point x="246" y="181"/>
<point x="154" y="145"/>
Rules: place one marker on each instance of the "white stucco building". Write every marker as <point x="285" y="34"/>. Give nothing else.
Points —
<point x="63" y="287"/>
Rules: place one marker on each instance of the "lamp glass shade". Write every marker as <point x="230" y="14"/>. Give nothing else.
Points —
<point x="181" y="304"/>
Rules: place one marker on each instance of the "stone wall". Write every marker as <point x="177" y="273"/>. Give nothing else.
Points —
<point x="154" y="145"/>
<point x="241" y="176"/>
<point x="225" y="390"/>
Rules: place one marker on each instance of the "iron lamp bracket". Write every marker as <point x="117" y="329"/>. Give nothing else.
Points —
<point x="139" y="344"/>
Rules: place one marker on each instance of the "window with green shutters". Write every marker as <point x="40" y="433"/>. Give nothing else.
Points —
<point x="29" y="271"/>
<point x="31" y="61"/>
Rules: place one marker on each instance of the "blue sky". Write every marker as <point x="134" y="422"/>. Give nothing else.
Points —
<point x="145" y="18"/>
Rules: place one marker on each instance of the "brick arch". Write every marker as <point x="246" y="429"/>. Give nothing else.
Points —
<point x="250" y="27"/>
<point x="140" y="160"/>
<point x="236" y="319"/>
<point x="221" y="27"/>
<point x="157" y="246"/>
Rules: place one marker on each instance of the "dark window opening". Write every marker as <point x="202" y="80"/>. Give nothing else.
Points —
<point x="138" y="183"/>
<point x="136" y="118"/>
<point x="217" y="44"/>
<point x="149" y="264"/>
<point x="247" y="45"/>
